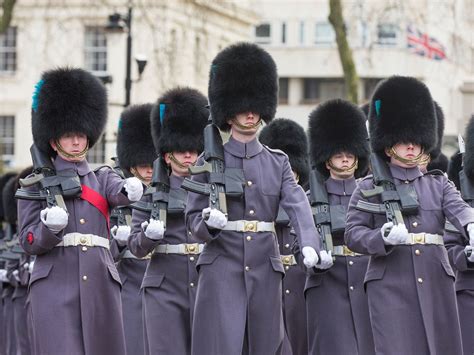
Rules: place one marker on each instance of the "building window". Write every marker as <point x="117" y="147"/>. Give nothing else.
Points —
<point x="369" y="87"/>
<point x="320" y="90"/>
<point x="302" y="29"/>
<point x="96" y="50"/>
<point x="283" y="32"/>
<point x="283" y="91"/>
<point x="324" y="33"/>
<point x="387" y="34"/>
<point x="8" y="50"/>
<point x="96" y="154"/>
<point x="263" y="33"/>
<point x="7" y="138"/>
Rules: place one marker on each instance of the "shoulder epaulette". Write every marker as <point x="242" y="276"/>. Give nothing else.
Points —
<point x="434" y="172"/>
<point x="277" y="151"/>
<point x="99" y="168"/>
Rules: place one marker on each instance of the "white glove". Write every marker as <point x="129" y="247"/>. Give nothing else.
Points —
<point x="121" y="234"/>
<point x="30" y="266"/>
<point x="134" y="188"/>
<point x="326" y="260"/>
<point x="216" y="219"/>
<point x="398" y="233"/>
<point x="470" y="231"/>
<point x="310" y="257"/>
<point x="3" y="275"/>
<point x="154" y="229"/>
<point x="55" y="218"/>
<point x="469" y="251"/>
<point x="16" y="274"/>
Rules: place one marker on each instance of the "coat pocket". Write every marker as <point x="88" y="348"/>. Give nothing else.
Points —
<point x="447" y="268"/>
<point x="206" y="258"/>
<point x="152" y="281"/>
<point x="277" y="265"/>
<point x="314" y="280"/>
<point x="114" y="274"/>
<point x="40" y="271"/>
<point x="375" y="271"/>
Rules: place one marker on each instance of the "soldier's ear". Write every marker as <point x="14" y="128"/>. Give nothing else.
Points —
<point x="53" y="145"/>
<point x="387" y="152"/>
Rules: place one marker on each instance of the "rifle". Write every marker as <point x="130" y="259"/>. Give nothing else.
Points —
<point x="395" y="198"/>
<point x="54" y="186"/>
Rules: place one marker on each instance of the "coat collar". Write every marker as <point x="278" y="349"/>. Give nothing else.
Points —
<point x="176" y="181"/>
<point x="82" y="168"/>
<point x="341" y="187"/>
<point x="405" y="174"/>
<point x="243" y="150"/>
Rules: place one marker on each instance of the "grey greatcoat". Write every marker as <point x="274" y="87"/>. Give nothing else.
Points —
<point x="335" y="298"/>
<point x="169" y="284"/>
<point x="238" y="302"/>
<point x="410" y="288"/>
<point x="74" y="291"/>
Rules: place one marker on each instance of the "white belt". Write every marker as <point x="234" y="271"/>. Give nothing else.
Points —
<point x="79" y="239"/>
<point x="343" y="250"/>
<point x="288" y="259"/>
<point x="128" y="255"/>
<point x="249" y="226"/>
<point x="183" y="249"/>
<point x="424" y="238"/>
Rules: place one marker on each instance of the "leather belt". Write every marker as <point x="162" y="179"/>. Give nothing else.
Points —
<point x="343" y="250"/>
<point x="183" y="249"/>
<point x="128" y="255"/>
<point x="79" y="239"/>
<point x="249" y="226"/>
<point x="288" y="259"/>
<point x="424" y="238"/>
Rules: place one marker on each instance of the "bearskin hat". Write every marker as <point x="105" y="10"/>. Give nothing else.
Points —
<point x="8" y="195"/>
<point x="178" y="120"/>
<point x="402" y="111"/>
<point x="68" y="100"/>
<point x="437" y="149"/>
<point x="243" y="78"/>
<point x="134" y="143"/>
<point x="365" y="108"/>
<point x="336" y="126"/>
<point x="3" y="181"/>
<point x="439" y="163"/>
<point x="454" y="167"/>
<point x="289" y="136"/>
<point x="469" y="155"/>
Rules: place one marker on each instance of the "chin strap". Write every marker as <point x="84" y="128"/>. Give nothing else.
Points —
<point x="139" y="176"/>
<point x="176" y="161"/>
<point x="414" y="161"/>
<point x="246" y="127"/>
<point x="349" y="169"/>
<point x="69" y="155"/>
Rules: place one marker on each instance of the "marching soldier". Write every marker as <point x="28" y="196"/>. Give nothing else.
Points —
<point x="238" y="302"/>
<point x="290" y="137"/>
<point x="169" y="284"/>
<point x="74" y="288"/>
<point x="136" y="153"/>
<point x="339" y="151"/>
<point x="409" y="282"/>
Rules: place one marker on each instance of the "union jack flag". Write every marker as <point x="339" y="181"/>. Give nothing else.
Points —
<point x="422" y="44"/>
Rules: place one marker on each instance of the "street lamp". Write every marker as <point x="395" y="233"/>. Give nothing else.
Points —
<point x="118" y="23"/>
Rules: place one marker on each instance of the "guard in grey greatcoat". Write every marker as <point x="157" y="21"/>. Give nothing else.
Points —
<point x="459" y="247"/>
<point x="339" y="151"/>
<point x="290" y="137"/>
<point x="135" y="153"/>
<point x="74" y="289"/>
<point x="169" y="284"/>
<point x="409" y="282"/>
<point x="238" y="303"/>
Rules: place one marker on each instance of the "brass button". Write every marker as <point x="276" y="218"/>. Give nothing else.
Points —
<point x="247" y="268"/>
<point x="351" y="288"/>
<point x="84" y="248"/>
<point x="251" y="212"/>
<point x="84" y="278"/>
<point x="286" y="260"/>
<point x="287" y="292"/>
<point x="420" y="280"/>
<point x="351" y="262"/>
<point x="249" y="183"/>
<point x="82" y="221"/>
<point x="407" y="182"/>
<point x="287" y="246"/>
<point x="415" y="224"/>
<point x="249" y="238"/>
<point x="247" y="156"/>
<point x="191" y="284"/>
<point x="417" y="252"/>
<point x="287" y="267"/>
<point x="192" y="248"/>
<point x="191" y="258"/>
<point x="189" y="233"/>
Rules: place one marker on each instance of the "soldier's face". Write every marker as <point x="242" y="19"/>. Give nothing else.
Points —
<point x="71" y="144"/>
<point x="407" y="151"/>
<point x="245" y="124"/>
<point x="145" y="172"/>
<point x="180" y="162"/>
<point x="340" y="162"/>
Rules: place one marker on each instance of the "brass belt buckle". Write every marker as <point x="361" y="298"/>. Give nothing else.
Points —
<point x="346" y="251"/>
<point x="250" y="226"/>
<point x="85" y="240"/>
<point x="191" y="248"/>
<point x="419" y="238"/>
<point x="287" y="259"/>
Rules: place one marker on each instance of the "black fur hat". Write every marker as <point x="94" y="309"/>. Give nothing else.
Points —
<point x="8" y="195"/>
<point x="437" y="149"/>
<point x="3" y="181"/>
<point x="243" y="78"/>
<point x="68" y="100"/>
<point x="439" y="163"/>
<point x="469" y="155"/>
<point x="288" y="136"/>
<point x="134" y="143"/>
<point x="454" y="167"/>
<point x="178" y="120"/>
<point x="336" y="126"/>
<point x="365" y="107"/>
<point x="402" y="111"/>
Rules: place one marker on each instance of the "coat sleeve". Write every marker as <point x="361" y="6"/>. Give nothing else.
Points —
<point x="361" y="235"/>
<point x="456" y="210"/>
<point x="293" y="200"/>
<point x="114" y="188"/>
<point x="138" y="243"/>
<point x="455" y="243"/>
